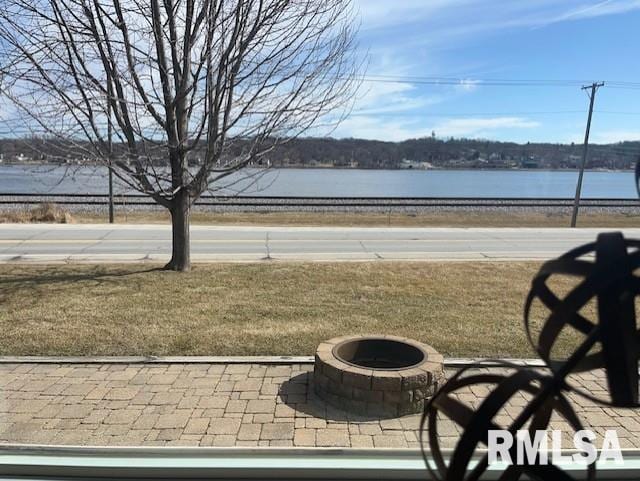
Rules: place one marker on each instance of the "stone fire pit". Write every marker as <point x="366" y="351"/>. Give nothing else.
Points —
<point x="377" y="375"/>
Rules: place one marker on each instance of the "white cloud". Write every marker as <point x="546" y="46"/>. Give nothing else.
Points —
<point x="443" y="21"/>
<point x="394" y="129"/>
<point x="481" y="127"/>
<point x="376" y="128"/>
<point x="467" y="85"/>
<point x="612" y="136"/>
<point x="9" y="118"/>
<point x="590" y="10"/>
<point x="384" y="13"/>
<point x="374" y="93"/>
<point x="383" y="98"/>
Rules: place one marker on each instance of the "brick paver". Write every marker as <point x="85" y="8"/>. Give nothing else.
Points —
<point x="224" y="405"/>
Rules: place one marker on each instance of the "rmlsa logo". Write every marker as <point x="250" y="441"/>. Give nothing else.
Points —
<point x="533" y="447"/>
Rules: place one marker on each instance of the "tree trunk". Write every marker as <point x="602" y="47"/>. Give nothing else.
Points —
<point x="180" y="248"/>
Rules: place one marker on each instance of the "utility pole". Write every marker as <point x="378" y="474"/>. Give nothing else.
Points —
<point x="592" y="96"/>
<point x="110" y="147"/>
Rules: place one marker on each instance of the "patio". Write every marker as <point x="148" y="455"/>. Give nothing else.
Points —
<point x="217" y="404"/>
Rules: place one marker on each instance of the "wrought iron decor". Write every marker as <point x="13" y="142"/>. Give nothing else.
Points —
<point x="604" y="275"/>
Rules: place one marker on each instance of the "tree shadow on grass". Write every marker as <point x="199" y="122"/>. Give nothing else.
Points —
<point x="54" y="278"/>
<point x="298" y="394"/>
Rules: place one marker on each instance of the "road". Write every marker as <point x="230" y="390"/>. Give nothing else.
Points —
<point x="129" y="243"/>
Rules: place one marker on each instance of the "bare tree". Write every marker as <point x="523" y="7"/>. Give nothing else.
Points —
<point x="166" y="78"/>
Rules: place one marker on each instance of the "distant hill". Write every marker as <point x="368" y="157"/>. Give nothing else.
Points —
<point x="453" y="153"/>
<point x="369" y="154"/>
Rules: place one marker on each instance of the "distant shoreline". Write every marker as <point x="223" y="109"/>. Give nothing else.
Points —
<point x="287" y="167"/>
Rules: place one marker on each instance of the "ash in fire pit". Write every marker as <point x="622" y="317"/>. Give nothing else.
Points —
<point x="384" y="376"/>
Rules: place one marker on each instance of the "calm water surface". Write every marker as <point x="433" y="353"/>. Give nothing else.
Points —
<point x="351" y="183"/>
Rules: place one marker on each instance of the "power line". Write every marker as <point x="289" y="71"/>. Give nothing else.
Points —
<point x="614" y="112"/>
<point x="27" y="130"/>
<point x="476" y="114"/>
<point x="493" y="82"/>
<point x="471" y="80"/>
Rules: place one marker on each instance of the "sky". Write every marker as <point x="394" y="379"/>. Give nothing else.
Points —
<point x="476" y="41"/>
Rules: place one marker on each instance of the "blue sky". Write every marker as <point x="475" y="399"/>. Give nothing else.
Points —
<point x="489" y="39"/>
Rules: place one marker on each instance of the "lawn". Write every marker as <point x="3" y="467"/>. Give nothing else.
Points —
<point x="462" y="309"/>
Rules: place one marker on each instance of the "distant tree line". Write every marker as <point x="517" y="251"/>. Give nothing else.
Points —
<point x="371" y="154"/>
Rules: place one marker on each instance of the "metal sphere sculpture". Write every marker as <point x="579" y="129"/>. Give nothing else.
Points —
<point x="604" y="274"/>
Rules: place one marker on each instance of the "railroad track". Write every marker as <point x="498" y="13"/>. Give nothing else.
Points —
<point x="23" y="198"/>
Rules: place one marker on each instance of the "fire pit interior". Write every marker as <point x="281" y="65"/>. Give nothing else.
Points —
<point x="381" y="376"/>
<point x="378" y="353"/>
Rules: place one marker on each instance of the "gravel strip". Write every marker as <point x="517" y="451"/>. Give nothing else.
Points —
<point x="408" y="206"/>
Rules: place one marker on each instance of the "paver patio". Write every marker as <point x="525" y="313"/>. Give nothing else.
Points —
<point x="221" y="405"/>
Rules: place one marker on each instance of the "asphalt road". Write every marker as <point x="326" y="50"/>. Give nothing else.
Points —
<point x="123" y="243"/>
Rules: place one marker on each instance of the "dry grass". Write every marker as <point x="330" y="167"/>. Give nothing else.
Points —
<point x="450" y="218"/>
<point x="462" y="309"/>
<point x="48" y="212"/>
<point x="45" y="212"/>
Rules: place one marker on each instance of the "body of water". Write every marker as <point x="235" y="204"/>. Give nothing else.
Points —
<point x="350" y="183"/>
